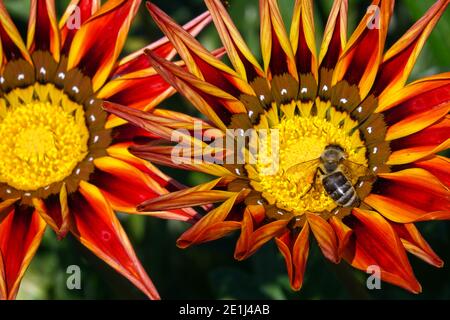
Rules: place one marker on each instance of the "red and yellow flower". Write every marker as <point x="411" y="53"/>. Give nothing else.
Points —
<point x="64" y="160"/>
<point x="352" y="94"/>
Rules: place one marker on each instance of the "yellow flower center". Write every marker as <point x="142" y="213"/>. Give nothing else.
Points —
<point x="44" y="137"/>
<point x="302" y="138"/>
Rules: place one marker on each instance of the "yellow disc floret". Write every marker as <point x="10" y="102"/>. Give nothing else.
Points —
<point x="42" y="141"/>
<point x="301" y="139"/>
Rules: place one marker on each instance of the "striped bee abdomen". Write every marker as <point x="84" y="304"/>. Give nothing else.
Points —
<point x="340" y="189"/>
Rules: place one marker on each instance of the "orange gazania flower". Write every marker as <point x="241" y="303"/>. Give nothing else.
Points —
<point x="63" y="160"/>
<point x="348" y="105"/>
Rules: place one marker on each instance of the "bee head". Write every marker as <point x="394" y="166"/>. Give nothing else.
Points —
<point x="331" y="157"/>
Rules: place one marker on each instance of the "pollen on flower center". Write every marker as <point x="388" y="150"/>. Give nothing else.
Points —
<point x="302" y="138"/>
<point x="42" y="142"/>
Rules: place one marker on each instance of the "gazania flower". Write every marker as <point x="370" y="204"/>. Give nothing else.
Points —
<point x="357" y="148"/>
<point x="63" y="160"/>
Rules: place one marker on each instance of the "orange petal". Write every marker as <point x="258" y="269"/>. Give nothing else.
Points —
<point x="377" y="244"/>
<point x="21" y="232"/>
<point x="422" y="144"/>
<point x="11" y="43"/>
<point x="43" y="32"/>
<point x="325" y="236"/>
<point x="438" y="166"/>
<point x="77" y="12"/>
<point x="212" y="226"/>
<point x="359" y="62"/>
<point x="237" y="51"/>
<point x="419" y="192"/>
<point x="335" y="35"/>
<point x="195" y="196"/>
<point x="276" y="48"/>
<point x="302" y="37"/>
<point x="96" y="226"/>
<point x="163" y="47"/>
<point x="295" y="250"/>
<point x="255" y="233"/>
<point x="96" y="55"/>
<point x="343" y="233"/>
<point x="55" y="212"/>
<point x="416" y="97"/>
<point x="199" y="61"/>
<point x="414" y="243"/>
<point x="400" y="59"/>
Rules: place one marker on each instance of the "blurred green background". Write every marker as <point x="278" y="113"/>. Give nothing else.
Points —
<point x="209" y="271"/>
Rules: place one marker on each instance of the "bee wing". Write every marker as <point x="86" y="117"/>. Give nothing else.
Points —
<point x="356" y="169"/>
<point x="304" y="166"/>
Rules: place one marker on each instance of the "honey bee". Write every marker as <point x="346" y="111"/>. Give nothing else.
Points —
<point x="330" y="170"/>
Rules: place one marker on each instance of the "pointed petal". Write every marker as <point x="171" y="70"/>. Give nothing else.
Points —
<point x="21" y="232"/>
<point x="255" y="233"/>
<point x="12" y="45"/>
<point x="239" y="54"/>
<point x="212" y="226"/>
<point x="199" y="61"/>
<point x="163" y="47"/>
<point x="422" y="144"/>
<point x="400" y="59"/>
<point x="420" y="193"/>
<point x="343" y="233"/>
<point x="55" y="212"/>
<point x="94" y="54"/>
<point x="43" y="32"/>
<point x="207" y="98"/>
<point x="325" y="236"/>
<point x="295" y="250"/>
<point x="414" y="243"/>
<point x="143" y="93"/>
<point x="416" y="97"/>
<point x="359" y="62"/>
<point x="438" y="166"/>
<point x="276" y="48"/>
<point x="195" y="196"/>
<point x="377" y="244"/>
<point x="335" y="35"/>
<point x="96" y="226"/>
<point x="77" y="12"/>
<point x="302" y="37"/>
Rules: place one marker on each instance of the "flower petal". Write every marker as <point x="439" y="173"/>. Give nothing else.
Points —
<point x="438" y="166"/>
<point x="163" y="47"/>
<point x="359" y="62"/>
<point x="207" y="98"/>
<point x="77" y="12"/>
<point x="295" y="250"/>
<point x="21" y="232"/>
<point x="325" y="236"/>
<point x="200" y="62"/>
<point x="239" y="54"/>
<point x="422" y="144"/>
<point x="255" y="233"/>
<point x="400" y="59"/>
<point x="420" y="193"/>
<point x="96" y="226"/>
<point x="276" y="48"/>
<point x="375" y="243"/>
<point x="12" y="45"/>
<point x="343" y="233"/>
<point x="302" y="37"/>
<point x="414" y="243"/>
<point x="55" y="211"/>
<point x="43" y="32"/>
<point x="335" y="35"/>
<point x="212" y="226"/>
<point x="97" y="55"/>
